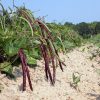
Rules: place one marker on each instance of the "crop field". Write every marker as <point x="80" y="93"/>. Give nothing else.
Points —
<point x="47" y="61"/>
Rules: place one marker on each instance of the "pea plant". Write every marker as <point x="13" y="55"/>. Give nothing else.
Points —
<point x="24" y="38"/>
<point x="76" y="79"/>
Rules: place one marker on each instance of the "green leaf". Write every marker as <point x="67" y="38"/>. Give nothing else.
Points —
<point x="73" y="76"/>
<point x="31" y="60"/>
<point x="76" y="79"/>
<point x="6" y="67"/>
<point x="33" y="53"/>
<point x="21" y="42"/>
<point x="36" y="42"/>
<point x="10" y="49"/>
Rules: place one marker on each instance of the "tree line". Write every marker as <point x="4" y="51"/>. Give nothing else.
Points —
<point x="85" y="29"/>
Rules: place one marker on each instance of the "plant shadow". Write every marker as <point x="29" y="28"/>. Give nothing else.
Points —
<point x="17" y="72"/>
<point x="94" y="95"/>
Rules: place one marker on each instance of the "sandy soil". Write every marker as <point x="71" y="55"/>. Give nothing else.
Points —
<point x="79" y="60"/>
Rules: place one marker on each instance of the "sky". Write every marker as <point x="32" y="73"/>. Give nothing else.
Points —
<point x="61" y="11"/>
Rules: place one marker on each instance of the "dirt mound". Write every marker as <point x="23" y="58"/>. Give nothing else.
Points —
<point x="84" y="60"/>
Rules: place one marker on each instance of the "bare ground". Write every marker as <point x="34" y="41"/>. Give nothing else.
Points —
<point x="79" y="60"/>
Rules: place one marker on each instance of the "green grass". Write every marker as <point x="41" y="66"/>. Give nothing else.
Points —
<point x="95" y="40"/>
